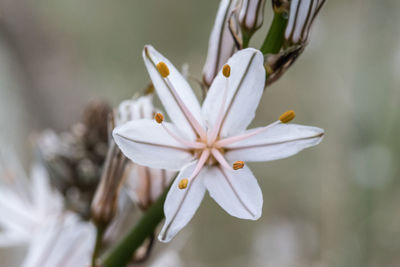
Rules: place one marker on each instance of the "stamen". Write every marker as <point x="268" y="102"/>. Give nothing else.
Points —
<point x="159" y="117"/>
<point x="218" y="156"/>
<point x="287" y="116"/>
<point x="163" y="69"/>
<point x="234" y="139"/>
<point x="238" y="165"/>
<point x="226" y="70"/>
<point x="190" y="144"/>
<point x="183" y="183"/>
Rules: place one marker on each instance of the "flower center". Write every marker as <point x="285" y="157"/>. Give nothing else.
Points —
<point x="206" y="147"/>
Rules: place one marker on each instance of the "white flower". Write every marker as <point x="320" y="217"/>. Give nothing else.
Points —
<point x="221" y="45"/>
<point x="66" y="241"/>
<point x="205" y="142"/>
<point x="25" y="205"/>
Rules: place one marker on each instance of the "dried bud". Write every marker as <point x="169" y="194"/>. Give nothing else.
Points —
<point x="74" y="159"/>
<point x="277" y="64"/>
<point x="104" y="204"/>
<point x="301" y="16"/>
<point x="95" y="121"/>
<point x="221" y="45"/>
<point x="281" y="6"/>
<point x="251" y="15"/>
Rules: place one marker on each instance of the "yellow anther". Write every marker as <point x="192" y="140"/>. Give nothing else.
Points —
<point x="159" y="117"/>
<point x="183" y="183"/>
<point x="238" y="165"/>
<point x="287" y="116"/>
<point x="163" y="69"/>
<point x="226" y="70"/>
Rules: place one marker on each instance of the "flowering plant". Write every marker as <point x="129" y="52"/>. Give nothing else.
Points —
<point x="164" y="162"/>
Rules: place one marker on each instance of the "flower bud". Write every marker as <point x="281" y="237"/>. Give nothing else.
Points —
<point x="144" y="185"/>
<point x="221" y="45"/>
<point x="301" y="16"/>
<point x="134" y="109"/>
<point x="104" y="204"/>
<point x="251" y="15"/>
<point x="277" y="64"/>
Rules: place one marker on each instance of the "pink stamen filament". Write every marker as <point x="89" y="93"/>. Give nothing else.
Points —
<point x="190" y="144"/>
<point x="230" y="140"/>
<point x="202" y="160"/>
<point x="218" y="156"/>
<point x="218" y="123"/>
<point x="192" y="120"/>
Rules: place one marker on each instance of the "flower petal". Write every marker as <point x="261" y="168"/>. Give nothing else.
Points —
<point x="277" y="142"/>
<point x="181" y="204"/>
<point x="151" y="58"/>
<point x="237" y="192"/>
<point x="147" y="143"/>
<point x="245" y="87"/>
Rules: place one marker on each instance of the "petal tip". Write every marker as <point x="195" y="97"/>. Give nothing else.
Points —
<point x="163" y="238"/>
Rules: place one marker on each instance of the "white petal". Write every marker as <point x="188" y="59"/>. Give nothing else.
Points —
<point x="16" y="215"/>
<point x="11" y="239"/>
<point x="45" y="199"/>
<point x="64" y="241"/>
<point x="147" y="143"/>
<point x="237" y="192"/>
<point x="277" y="142"/>
<point x="181" y="204"/>
<point x="245" y="87"/>
<point x="151" y="58"/>
<point x="221" y="44"/>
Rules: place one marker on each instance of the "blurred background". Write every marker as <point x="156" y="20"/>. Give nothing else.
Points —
<point x="336" y="204"/>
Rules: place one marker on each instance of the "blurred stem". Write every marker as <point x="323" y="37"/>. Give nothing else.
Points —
<point x="97" y="246"/>
<point x="122" y="254"/>
<point x="275" y="37"/>
<point x="246" y="39"/>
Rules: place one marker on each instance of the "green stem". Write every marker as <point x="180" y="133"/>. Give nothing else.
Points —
<point x="246" y="39"/>
<point x="97" y="245"/>
<point x="122" y="254"/>
<point x="275" y="37"/>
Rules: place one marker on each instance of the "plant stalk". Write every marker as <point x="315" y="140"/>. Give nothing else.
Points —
<point x="275" y="37"/>
<point x="123" y="252"/>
